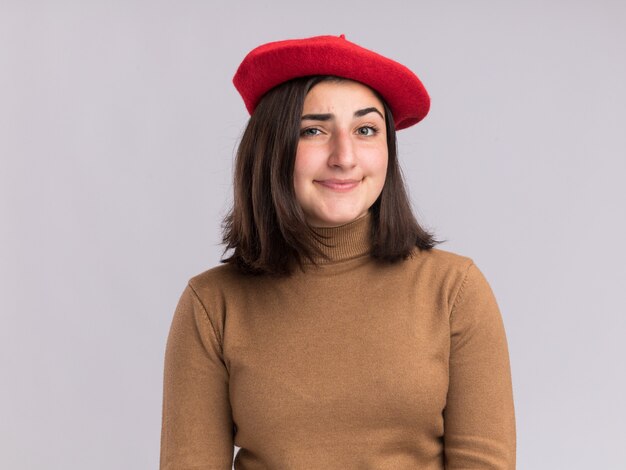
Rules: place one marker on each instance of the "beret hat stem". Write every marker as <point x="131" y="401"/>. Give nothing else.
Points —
<point x="273" y="63"/>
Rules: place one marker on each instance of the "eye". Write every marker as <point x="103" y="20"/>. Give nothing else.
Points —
<point x="367" y="130"/>
<point x="309" y="132"/>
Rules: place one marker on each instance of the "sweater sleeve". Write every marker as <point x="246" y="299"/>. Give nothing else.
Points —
<point x="197" y="427"/>
<point x="479" y="417"/>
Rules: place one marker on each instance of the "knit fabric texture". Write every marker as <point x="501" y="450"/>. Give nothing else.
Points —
<point x="348" y="364"/>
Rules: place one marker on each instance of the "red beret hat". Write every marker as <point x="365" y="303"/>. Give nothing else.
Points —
<point x="276" y="62"/>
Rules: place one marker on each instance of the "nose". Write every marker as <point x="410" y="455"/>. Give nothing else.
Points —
<point x="342" y="150"/>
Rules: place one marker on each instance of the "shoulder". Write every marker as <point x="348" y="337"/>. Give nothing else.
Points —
<point x="225" y="283"/>
<point x="205" y="294"/>
<point x="220" y="274"/>
<point x="467" y="285"/>
<point x="440" y="266"/>
<point x="216" y="281"/>
<point x="443" y="272"/>
<point x="438" y="259"/>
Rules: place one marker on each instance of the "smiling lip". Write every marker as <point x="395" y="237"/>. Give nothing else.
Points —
<point x="338" y="185"/>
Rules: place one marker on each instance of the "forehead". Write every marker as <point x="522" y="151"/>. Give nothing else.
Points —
<point x="339" y="94"/>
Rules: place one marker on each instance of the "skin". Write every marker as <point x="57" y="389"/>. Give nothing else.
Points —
<point x="341" y="160"/>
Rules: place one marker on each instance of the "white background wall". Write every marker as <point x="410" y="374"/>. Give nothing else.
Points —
<point x="118" y="123"/>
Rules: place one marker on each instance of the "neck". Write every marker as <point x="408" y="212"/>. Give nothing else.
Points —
<point x="345" y="241"/>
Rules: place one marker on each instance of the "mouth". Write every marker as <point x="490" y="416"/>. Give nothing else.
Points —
<point x="338" y="185"/>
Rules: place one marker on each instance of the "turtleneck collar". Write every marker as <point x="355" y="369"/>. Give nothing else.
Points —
<point x="346" y="241"/>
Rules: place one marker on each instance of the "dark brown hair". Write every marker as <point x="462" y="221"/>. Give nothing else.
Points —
<point x="265" y="226"/>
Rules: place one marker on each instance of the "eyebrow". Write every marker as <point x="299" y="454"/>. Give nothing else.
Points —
<point x="328" y="117"/>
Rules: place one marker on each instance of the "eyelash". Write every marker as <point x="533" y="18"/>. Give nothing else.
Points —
<point x="373" y="128"/>
<point x="305" y="132"/>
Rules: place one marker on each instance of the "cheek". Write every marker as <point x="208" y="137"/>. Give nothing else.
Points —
<point x="298" y="171"/>
<point x="377" y="164"/>
<point x="378" y="174"/>
<point x="305" y="165"/>
<point x="301" y="172"/>
<point x="383" y="167"/>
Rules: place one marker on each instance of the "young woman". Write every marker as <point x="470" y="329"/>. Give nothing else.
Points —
<point x="334" y="336"/>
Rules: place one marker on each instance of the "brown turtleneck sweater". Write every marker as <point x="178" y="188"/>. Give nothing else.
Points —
<point x="349" y="365"/>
